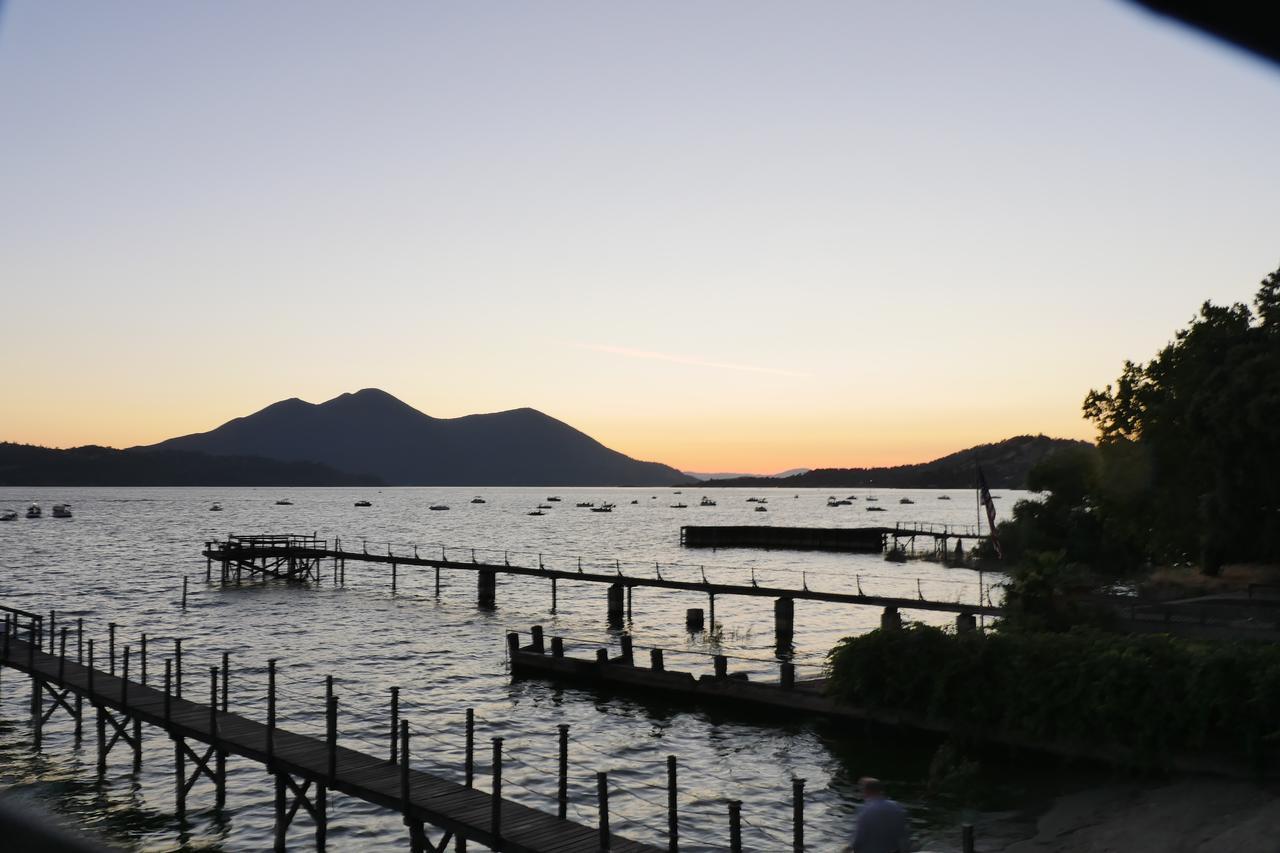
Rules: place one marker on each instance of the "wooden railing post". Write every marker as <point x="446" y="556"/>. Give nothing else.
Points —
<point x="470" y="761"/>
<point x="62" y="657"/>
<point x="673" y="821"/>
<point x="124" y="681"/>
<point x="271" y="711"/>
<point x="226" y="676"/>
<point x="496" y="800"/>
<point x="89" y="675"/>
<point x="142" y="661"/>
<point x="111" y="648"/>
<point x="332" y="736"/>
<point x="213" y="705"/>
<point x="396" y="733"/>
<point x="168" y="678"/>
<point x="177" y="667"/>
<point x="797" y="815"/>
<point x="602" y="797"/>
<point x="562" y="788"/>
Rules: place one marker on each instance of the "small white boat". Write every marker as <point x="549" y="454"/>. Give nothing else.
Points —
<point x="753" y="500"/>
<point x="584" y="504"/>
<point x="536" y="512"/>
<point x="364" y="503"/>
<point x="438" y="507"/>
<point x="762" y="509"/>
<point x="706" y="502"/>
<point x="635" y="502"/>
<point x="944" y="497"/>
<point x="603" y="508"/>
<point x="873" y="498"/>
<point x="905" y="501"/>
<point x="553" y="500"/>
<point x="62" y="510"/>
<point x="33" y="511"/>
<point x="284" y="502"/>
<point x="544" y="506"/>
<point x="478" y="500"/>
<point x="875" y="509"/>
<point x="216" y="508"/>
<point x="8" y="515"/>
<point x="679" y="506"/>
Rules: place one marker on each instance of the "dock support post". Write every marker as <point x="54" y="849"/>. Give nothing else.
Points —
<point x="784" y="622"/>
<point x="557" y="647"/>
<point x="37" y="710"/>
<point x="562" y="790"/>
<point x="628" y="602"/>
<point x="602" y="795"/>
<point x="282" y="821"/>
<point x="966" y="622"/>
<point x="180" y="778"/>
<point x="535" y="639"/>
<point x="890" y="619"/>
<point x="673" y="821"/>
<point x="655" y="660"/>
<point x="797" y="815"/>
<point x="322" y="817"/>
<point x="693" y="619"/>
<point x="712" y="597"/>
<point x="721" y="664"/>
<point x="395" y="572"/>
<point x="220" y="757"/>
<point x="788" y="675"/>
<point x="615" y="604"/>
<point x="553" y="595"/>
<point x="487" y="587"/>
<point x="735" y="826"/>
<point x="437" y="581"/>
<point x="966" y="838"/>
<point x="628" y="654"/>
<point x="111" y="647"/>
<point x="417" y="836"/>
<point x="177" y="665"/>
<point x="271" y="713"/>
<point x="102" y="739"/>
<point x="184" y="592"/>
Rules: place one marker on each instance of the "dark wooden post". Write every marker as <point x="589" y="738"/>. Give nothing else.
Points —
<point x="177" y="666"/>
<point x="711" y="596"/>
<point x="8" y="627"/>
<point x="784" y="622"/>
<point x="535" y="639"/>
<point x="513" y="645"/>
<point x="656" y="662"/>
<point x="142" y="660"/>
<point x="271" y="714"/>
<point x="966" y="838"/>
<point x="602" y="797"/>
<point x="562" y="789"/>
<point x="628" y="657"/>
<point x="89" y="673"/>
<point x="332" y="738"/>
<point x="602" y="657"/>
<point x="395" y="572"/>
<point x="673" y="821"/>
<point x="557" y="647"/>
<point x="797" y="815"/>
<point x="721" y="665"/>
<point x="470" y="761"/>
<point x="395" y="722"/>
<point x="282" y="827"/>
<point x="168" y="685"/>
<point x="735" y="826"/>
<point x="553" y="595"/>
<point x="124" y="681"/>
<point x="417" y="836"/>
<point x="615" y="604"/>
<point x="213" y="706"/>
<point x="53" y="616"/>
<point x="495" y="821"/>
<point x="226" y="676"/>
<point x="184" y="592"/>
<point x="111" y="648"/>
<point x="437" y="581"/>
<point x="788" y="675"/>
<point x="62" y="657"/>
<point x="180" y="773"/>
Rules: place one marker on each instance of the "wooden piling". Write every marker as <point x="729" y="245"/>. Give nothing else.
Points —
<point x="602" y="797"/>
<point x="495" y="819"/>
<point x="184" y="592"/>
<point x="535" y="639"/>
<point x="562" y="789"/>
<point x="655" y="660"/>
<point x="557" y="647"/>
<point x="469" y="765"/>
<point x="735" y="826"/>
<point x="673" y="822"/>
<point x="271" y="715"/>
<point x="396" y="734"/>
<point x="615" y="604"/>
<point x="797" y="815"/>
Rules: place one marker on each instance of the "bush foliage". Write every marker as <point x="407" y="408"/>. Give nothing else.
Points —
<point x="1147" y="697"/>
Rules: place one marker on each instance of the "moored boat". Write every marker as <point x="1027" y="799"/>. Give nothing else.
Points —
<point x="284" y="502"/>
<point x="706" y="502"/>
<point x="8" y="515"/>
<point x="438" y="507"/>
<point x="478" y="500"/>
<point x="364" y="503"/>
<point x="62" y="510"/>
<point x="34" y="511"/>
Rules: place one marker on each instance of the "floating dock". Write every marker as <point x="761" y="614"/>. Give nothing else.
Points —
<point x="849" y="539"/>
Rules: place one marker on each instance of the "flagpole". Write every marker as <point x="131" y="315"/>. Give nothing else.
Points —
<point x="977" y="509"/>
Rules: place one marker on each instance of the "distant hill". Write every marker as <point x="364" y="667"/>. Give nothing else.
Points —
<point x="373" y="431"/>
<point x="726" y="476"/>
<point x="1005" y="464"/>
<point x="28" y="465"/>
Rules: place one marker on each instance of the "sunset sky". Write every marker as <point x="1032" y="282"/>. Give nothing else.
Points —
<point x="723" y="235"/>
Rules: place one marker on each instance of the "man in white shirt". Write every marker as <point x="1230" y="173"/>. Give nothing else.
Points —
<point x="882" y="822"/>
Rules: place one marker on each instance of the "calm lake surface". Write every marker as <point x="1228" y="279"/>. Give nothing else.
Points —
<point x="124" y="554"/>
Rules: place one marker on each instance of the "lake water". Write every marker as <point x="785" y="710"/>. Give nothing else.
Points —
<point x="124" y="554"/>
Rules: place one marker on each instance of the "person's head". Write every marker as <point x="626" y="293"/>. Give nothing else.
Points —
<point x="872" y="788"/>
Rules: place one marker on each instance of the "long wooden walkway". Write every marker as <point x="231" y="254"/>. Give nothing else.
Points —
<point x="283" y="555"/>
<point x="300" y="762"/>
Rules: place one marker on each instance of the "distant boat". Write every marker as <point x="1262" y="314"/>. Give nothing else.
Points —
<point x="706" y="502"/>
<point x="478" y="500"/>
<point x="62" y="510"/>
<point x="762" y="509"/>
<point x="677" y="493"/>
<point x="603" y="508"/>
<point x="873" y="498"/>
<point x="635" y="502"/>
<point x="944" y="497"/>
<point x="905" y="501"/>
<point x="284" y="502"/>
<point x="438" y="507"/>
<point x="584" y="504"/>
<point x="852" y="498"/>
<point x="8" y="515"/>
<point x="33" y="511"/>
<point x="536" y="512"/>
<point x="553" y="500"/>
<point x="363" y="503"/>
<point x="216" y="508"/>
<point x="679" y="506"/>
<point x="753" y="500"/>
<point x="875" y="509"/>
<point x="544" y="506"/>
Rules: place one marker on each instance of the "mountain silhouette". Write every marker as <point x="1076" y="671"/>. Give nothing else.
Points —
<point x="372" y="431"/>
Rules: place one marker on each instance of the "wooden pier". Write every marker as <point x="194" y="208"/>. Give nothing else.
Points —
<point x="855" y="540"/>
<point x="306" y="769"/>
<point x="301" y="558"/>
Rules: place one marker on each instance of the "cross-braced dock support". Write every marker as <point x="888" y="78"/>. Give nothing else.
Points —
<point x="315" y="803"/>
<point x="212" y="765"/>
<point x="122" y="729"/>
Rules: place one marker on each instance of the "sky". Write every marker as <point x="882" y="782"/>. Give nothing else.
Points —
<point x="728" y="236"/>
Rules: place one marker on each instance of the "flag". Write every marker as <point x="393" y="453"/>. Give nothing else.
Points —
<point x="985" y="496"/>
